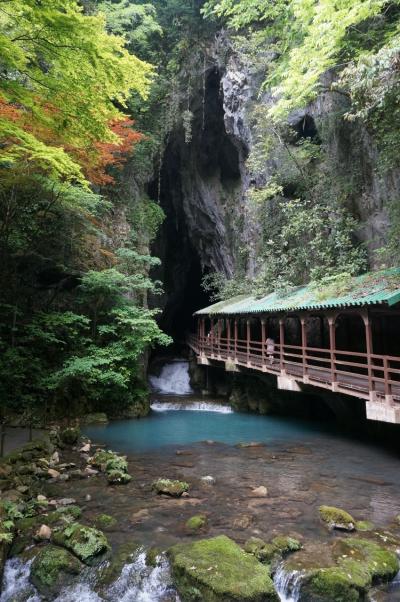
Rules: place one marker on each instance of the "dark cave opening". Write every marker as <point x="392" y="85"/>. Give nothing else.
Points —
<point x="193" y="177"/>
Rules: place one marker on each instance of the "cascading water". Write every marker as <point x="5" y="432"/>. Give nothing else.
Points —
<point x="287" y="584"/>
<point x="137" y="583"/>
<point x="174" y="379"/>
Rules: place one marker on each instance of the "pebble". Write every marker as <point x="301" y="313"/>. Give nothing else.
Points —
<point x="90" y="471"/>
<point x="54" y="474"/>
<point x="88" y="497"/>
<point x="55" y="458"/>
<point x="41" y="498"/>
<point x="65" y="501"/>
<point x="260" y="491"/>
<point x="85" y="449"/>
<point x="44" y="533"/>
<point x="208" y="479"/>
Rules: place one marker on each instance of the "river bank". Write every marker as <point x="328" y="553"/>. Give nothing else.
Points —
<point x="242" y="489"/>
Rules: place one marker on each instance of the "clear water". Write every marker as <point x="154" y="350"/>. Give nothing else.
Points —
<point x="174" y="427"/>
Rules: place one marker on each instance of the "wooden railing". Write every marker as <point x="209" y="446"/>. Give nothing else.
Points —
<point x="345" y="371"/>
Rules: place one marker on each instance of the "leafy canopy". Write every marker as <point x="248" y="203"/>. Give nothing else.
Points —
<point x="62" y="77"/>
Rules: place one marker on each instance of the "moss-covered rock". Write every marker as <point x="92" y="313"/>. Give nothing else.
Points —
<point x="336" y="518"/>
<point x="115" y="466"/>
<point x="196" y="523"/>
<point x="95" y="418"/>
<point x="217" y="570"/>
<point x="364" y="525"/>
<point x="105" y="521"/>
<point x="330" y="585"/>
<point x="274" y="551"/>
<point x="52" y="568"/>
<point x="152" y="556"/>
<point x="88" y="543"/>
<point x="117" y="477"/>
<point x="110" y="571"/>
<point x="381" y="564"/>
<point x="170" y="487"/>
<point x="70" y="436"/>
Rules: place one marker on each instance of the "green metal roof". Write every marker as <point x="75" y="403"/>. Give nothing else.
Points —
<point x="373" y="288"/>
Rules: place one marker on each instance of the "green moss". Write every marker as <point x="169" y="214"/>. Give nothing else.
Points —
<point x="53" y="567"/>
<point x="336" y="518"/>
<point x="152" y="556"/>
<point x="286" y="544"/>
<point x="115" y="477"/>
<point x="95" y="418"/>
<point x="197" y="522"/>
<point x="70" y="435"/>
<point x="169" y="487"/>
<point x="72" y="511"/>
<point x="88" y="543"/>
<point x="101" y="457"/>
<point x="380" y="564"/>
<point x="217" y="570"/>
<point x="105" y="521"/>
<point x="364" y="525"/>
<point x="330" y="585"/>
<point x="112" y="570"/>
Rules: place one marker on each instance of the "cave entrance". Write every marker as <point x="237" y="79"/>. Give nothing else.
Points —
<point x="199" y="179"/>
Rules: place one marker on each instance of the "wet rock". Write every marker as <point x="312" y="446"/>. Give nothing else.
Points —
<point x="274" y="551"/>
<point x="260" y="491"/>
<point x="44" y="533"/>
<point x="184" y="452"/>
<point x="118" y="477"/>
<point x="54" y="474"/>
<point x="89" y="544"/>
<point x="112" y="570"/>
<point x="243" y="521"/>
<point x="105" y="521"/>
<point x="170" y="487"/>
<point x="196" y="523"/>
<point x="217" y="570"/>
<point x="85" y="449"/>
<point x="152" y="557"/>
<point x="364" y="525"/>
<point x="95" y="418"/>
<point x="52" y="569"/>
<point x="140" y="515"/>
<point x="336" y="518"/>
<point x="208" y="480"/>
<point x="69" y="436"/>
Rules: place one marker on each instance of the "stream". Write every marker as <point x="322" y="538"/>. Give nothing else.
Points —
<point x="224" y="456"/>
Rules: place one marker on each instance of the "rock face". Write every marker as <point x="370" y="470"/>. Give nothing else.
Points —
<point x="217" y="570"/>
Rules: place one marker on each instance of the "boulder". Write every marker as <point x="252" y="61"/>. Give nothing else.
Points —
<point x="89" y="544"/>
<point x="69" y="436"/>
<point x="217" y="570"/>
<point x="170" y="487"/>
<point x="53" y="568"/>
<point x="196" y="523"/>
<point x="336" y="518"/>
<point x="274" y="551"/>
<point x="44" y="533"/>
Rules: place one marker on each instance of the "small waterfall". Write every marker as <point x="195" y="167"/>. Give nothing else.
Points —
<point x="173" y="380"/>
<point x="194" y="406"/>
<point x="137" y="583"/>
<point x="16" y="584"/>
<point x="287" y="584"/>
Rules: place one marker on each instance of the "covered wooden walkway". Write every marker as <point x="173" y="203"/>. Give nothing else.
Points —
<point x="348" y="344"/>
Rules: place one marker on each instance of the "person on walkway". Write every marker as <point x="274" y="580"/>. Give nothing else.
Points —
<point x="270" y="349"/>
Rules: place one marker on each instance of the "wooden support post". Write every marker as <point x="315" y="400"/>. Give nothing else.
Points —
<point x="304" y="345"/>
<point x="228" y="336"/>
<point x="369" y="348"/>
<point x="235" y="337"/>
<point x="212" y="334"/>
<point x="263" y="339"/>
<point x="219" y="336"/>
<point x="332" y="347"/>
<point x="248" y="341"/>
<point x="282" y="343"/>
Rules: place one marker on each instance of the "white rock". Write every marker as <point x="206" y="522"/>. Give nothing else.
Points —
<point x="260" y="491"/>
<point x="55" y="458"/>
<point x="65" y="501"/>
<point x="54" y="474"/>
<point x="88" y="497"/>
<point x="85" y="449"/>
<point x="208" y="479"/>
<point x="41" y="498"/>
<point x="44" y="532"/>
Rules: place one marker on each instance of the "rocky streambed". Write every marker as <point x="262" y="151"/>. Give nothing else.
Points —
<point x="207" y="521"/>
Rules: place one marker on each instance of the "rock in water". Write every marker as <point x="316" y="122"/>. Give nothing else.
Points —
<point x="336" y="518"/>
<point x="89" y="544"/>
<point x="217" y="570"/>
<point x="261" y="491"/>
<point x="170" y="487"/>
<point x="52" y="569"/>
<point x="44" y="532"/>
